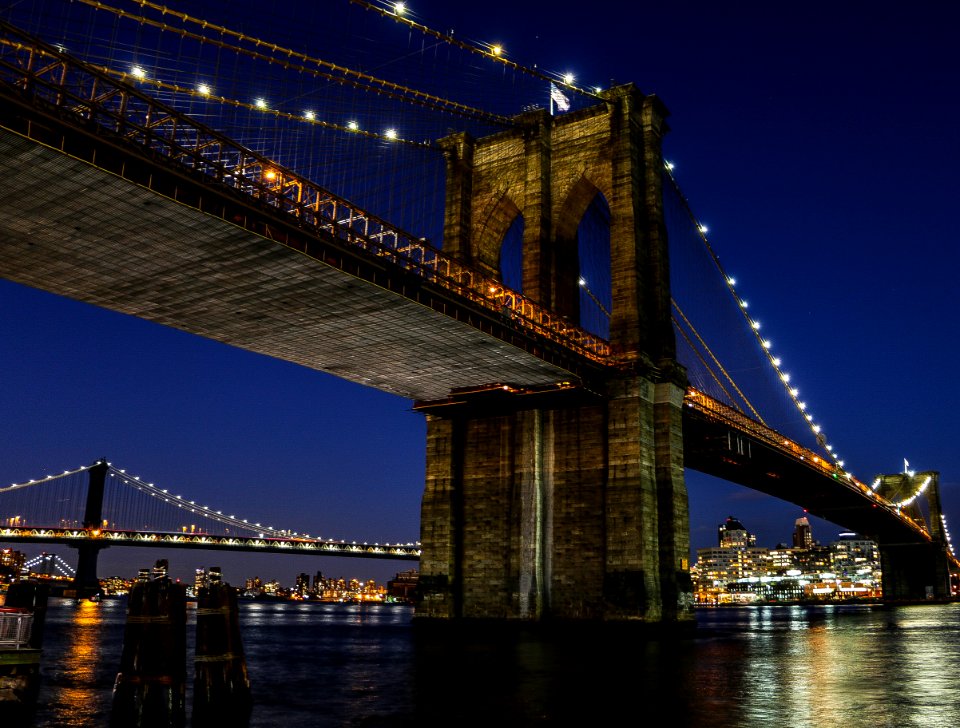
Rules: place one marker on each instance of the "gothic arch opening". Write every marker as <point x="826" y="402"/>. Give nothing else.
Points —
<point x="593" y="248"/>
<point x="583" y="258"/>
<point x="511" y="256"/>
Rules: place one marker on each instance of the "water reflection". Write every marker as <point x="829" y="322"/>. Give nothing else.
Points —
<point x="75" y="667"/>
<point x="344" y="665"/>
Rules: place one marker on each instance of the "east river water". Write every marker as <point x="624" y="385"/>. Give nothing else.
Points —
<point x="368" y="665"/>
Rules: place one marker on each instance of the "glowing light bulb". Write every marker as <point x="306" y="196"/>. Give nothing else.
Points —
<point x="309" y="115"/>
<point x="731" y="281"/>
<point x="204" y="90"/>
<point x="767" y="343"/>
<point x="794" y="392"/>
<point x="776" y="361"/>
<point x="400" y="8"/>
<point x="260" y="103"/>
<point x="390" y="134"/>
<point x="703" y="229"/>
<point x="669" y="166"/>
<point x="353" y="126"/>
<point x="568" y="79"/>
<point x="755" y="325"/>
<point x="582" y="281"/>
<point x="496" y="50"/>
<point x="138" y="72"/>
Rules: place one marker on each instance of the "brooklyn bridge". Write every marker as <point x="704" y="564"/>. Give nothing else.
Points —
<point x="566" y="329"/>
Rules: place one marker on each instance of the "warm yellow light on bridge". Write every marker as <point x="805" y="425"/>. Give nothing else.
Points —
<point x="568" y="79"/>
<point x="138" y="73"/>
<point x="390" y="134"/>
<point x="353" y="126"/>
<point x="260" y="103"/>
<point x="399" y="8"/>
<point x="309" y="115"/>
<point x="204" y="90"/>
<point x="271" y="175"/>
<point x="496" y="50"/>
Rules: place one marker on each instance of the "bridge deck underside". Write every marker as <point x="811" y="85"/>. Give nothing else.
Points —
<point x="710" y="447"/>
<point x="75" y="230"/>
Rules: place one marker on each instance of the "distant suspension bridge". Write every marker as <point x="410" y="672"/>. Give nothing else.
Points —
<point x="100" y="505"/>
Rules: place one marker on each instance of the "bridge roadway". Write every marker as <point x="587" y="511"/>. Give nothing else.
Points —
<point x="719" y="441"/>
<point x="108" y="537"/>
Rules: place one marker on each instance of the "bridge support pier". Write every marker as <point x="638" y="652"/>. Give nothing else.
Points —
<point x="574" y="512"/>
<point x="564" y="508"/>
<point x="914" y="572"/>
<point x="86" y="582"/>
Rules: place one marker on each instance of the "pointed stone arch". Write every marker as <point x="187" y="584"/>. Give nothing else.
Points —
<point x="492" y="224"/>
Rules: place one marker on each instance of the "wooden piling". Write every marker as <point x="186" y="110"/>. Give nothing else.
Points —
<point x="221" y="687"/>
<point x="150" y="689"/>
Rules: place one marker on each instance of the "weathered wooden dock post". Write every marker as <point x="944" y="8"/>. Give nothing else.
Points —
<point x="150" y="690"/>
<point x="221" y="687"/>
<point x="21" y="638"/>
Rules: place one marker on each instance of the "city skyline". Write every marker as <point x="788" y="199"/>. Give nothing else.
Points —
<point x="820" y="150"/>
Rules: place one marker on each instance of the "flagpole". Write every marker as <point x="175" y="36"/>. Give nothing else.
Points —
<point x="550" y="94"/>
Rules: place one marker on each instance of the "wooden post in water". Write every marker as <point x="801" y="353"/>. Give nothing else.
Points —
<point x="150" y="690"/>
<point x="21" y="637"/>
<point x="221" y="687"/>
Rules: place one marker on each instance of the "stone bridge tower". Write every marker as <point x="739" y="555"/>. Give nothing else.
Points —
<point x="565" y="509"/>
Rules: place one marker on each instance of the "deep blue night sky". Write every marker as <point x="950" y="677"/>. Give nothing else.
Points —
<point x="817" y="140"/>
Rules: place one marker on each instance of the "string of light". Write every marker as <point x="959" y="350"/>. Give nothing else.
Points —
<point x="58" y="563"/>
<point x="398" y="12"/>
<point x="138" y="74"/>
<point x="356" y="79"/>
<point x="46" y="479"/>
<point x="766" y="345"/>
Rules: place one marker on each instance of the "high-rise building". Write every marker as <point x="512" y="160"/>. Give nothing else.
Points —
<point x="802" y="534"/>
<point x="731" y="533"/>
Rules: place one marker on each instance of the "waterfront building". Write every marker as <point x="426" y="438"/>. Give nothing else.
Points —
<point x="402" y="587"/>
<point x="115" y="585"/>
<point x="737" y="571"/>
<point x="11" y="565"/>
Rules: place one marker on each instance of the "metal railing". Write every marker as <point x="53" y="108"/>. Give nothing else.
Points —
<point x="16" y="626"/>
<point x="93" y="97"/>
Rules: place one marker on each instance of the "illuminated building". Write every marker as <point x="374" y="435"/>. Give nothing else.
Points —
<point x="11" y="565"/>
<point x="403" y="586"/>
<point x="802" y="534"/>
<point x="732" y="534"/>
<point x="736" y="572"/>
